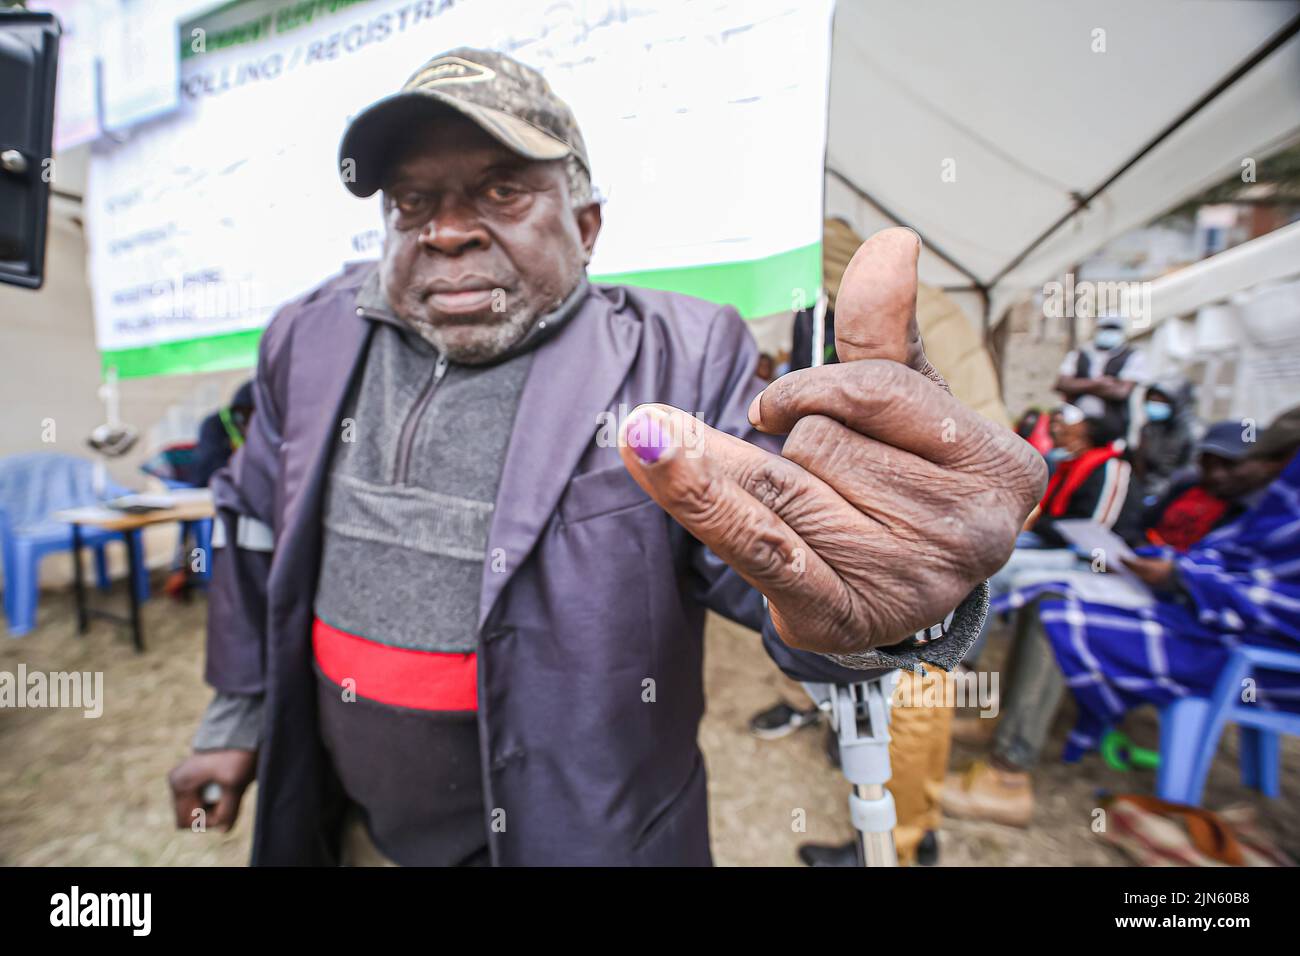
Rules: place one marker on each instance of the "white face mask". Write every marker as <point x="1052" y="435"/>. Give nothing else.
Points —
<point x="1071" y="415"/>
<point x="1107" y="339"/>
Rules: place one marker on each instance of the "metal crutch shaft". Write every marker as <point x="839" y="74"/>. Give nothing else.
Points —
<point x="860" y="718"/>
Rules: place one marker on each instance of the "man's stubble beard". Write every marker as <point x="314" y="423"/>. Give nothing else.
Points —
<point x="470" y="344"/>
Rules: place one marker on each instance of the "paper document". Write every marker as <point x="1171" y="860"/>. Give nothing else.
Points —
<point x="1092" y="541"/>
<point x="1117" y="590"/>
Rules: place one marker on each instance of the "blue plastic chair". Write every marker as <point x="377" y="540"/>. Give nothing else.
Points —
<point x="1190" y="729"/>
<point x="32" y="487"/>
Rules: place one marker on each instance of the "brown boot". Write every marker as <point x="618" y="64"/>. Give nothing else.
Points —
<point x="984" y="792"/>
<point x="974" y="731"/>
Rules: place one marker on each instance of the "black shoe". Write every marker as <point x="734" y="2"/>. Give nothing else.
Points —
<point x="778" y="721"/>
<point x="927" y="851"/>
<point x="833" y="747"/>
<point x="819" y="854"/>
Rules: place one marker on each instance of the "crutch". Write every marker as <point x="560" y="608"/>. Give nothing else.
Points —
<point x="859" y="715"/>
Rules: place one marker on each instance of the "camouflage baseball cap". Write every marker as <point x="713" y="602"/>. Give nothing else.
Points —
<point x="510" y="101"/>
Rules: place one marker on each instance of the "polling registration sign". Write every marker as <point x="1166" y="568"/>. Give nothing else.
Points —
<point x="705" y="122"/>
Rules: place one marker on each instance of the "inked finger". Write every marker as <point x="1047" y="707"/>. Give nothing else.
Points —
<point x="687" y="468"/>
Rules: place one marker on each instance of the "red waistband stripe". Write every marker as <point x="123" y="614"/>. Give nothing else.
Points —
<point x="399" y="676"/>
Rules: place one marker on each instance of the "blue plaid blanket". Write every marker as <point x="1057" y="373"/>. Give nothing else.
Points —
<point x="1239" y="585"/>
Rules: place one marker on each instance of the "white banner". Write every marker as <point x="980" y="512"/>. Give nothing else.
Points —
<point x="705" y="123"/>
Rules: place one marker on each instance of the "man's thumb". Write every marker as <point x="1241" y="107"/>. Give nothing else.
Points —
<point x="875" y="310"/>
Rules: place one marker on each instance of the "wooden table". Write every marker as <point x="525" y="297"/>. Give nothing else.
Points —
<point x="187" y="505"/>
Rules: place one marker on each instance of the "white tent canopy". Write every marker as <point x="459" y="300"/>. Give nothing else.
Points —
<point x="1270" y="257"/>
<point x="985" y="125"/>
<point x="1229" y="324"/>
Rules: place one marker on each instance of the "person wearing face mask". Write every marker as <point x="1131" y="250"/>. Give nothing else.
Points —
<point x="1092" y="482"/>
<point x="1108" y="369"/>
<point x="1166" y="441"/>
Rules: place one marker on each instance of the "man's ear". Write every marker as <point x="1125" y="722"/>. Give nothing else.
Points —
<point x="588" y="226"/>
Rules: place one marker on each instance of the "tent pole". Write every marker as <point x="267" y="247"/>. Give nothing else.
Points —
<point x="818" y="356"/>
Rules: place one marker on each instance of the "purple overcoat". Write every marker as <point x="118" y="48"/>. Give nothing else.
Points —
<point x="591" y="652"/>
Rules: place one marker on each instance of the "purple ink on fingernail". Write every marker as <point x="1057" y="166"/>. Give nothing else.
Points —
<point x="646" y="437"/>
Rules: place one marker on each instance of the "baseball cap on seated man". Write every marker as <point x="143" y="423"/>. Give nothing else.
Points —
<point x="511" y="102"/>
<point x="1224" y="439"/>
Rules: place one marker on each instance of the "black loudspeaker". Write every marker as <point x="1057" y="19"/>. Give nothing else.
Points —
<point x="29" y="53"/>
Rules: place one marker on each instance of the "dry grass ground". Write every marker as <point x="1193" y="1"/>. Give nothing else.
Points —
<point x="92" y="792"/>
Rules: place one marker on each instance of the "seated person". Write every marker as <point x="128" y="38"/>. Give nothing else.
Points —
<point x="1223" y="486"/>
<point x="221" y="434"/>
<point x="1093" y="482"/>
<point x="1056" y="453"/>
<point x="1166" y="442"/>
<point x="1035" y="427"/>
<point x="1241" y="584"/>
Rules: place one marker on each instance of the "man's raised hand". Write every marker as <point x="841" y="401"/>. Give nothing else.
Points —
<point x="890" y="501"/>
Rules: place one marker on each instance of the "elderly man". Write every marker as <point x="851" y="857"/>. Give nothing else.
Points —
<point x="456" y="616"/>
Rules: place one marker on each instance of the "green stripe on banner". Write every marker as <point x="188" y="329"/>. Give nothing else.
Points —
<point x="756" y="288"/>
<point x="215" y="353"/>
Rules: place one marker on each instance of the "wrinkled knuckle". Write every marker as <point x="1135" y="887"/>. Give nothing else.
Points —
<point x="1019" y="470"/>
<point x="779" y="397"/>
<point x="772" y="483"/>
<point x="811" y="437"/>
<point x="982" y="454"/>
<point x="763" y="548"/>
<point x="696" y="497"/>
